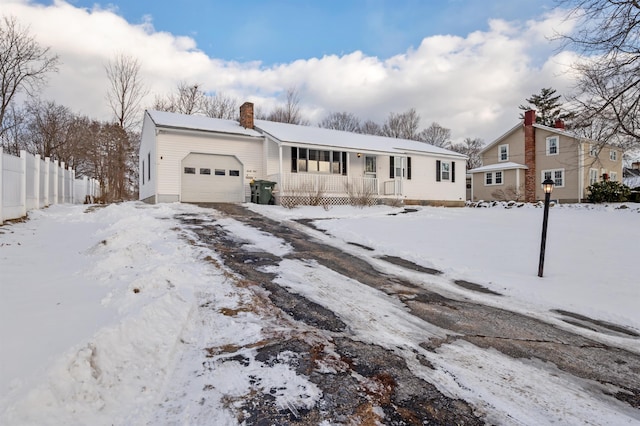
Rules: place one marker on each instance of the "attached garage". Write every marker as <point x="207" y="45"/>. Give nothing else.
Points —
<point x="212" y="178"/>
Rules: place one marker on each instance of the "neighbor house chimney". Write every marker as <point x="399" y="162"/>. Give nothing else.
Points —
<point x="530" y="156"/>
<point x="559" y="124"/>
<point x="246" y="115"/>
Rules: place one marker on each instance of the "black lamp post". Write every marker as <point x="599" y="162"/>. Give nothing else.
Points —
<point x="547" y="185"/>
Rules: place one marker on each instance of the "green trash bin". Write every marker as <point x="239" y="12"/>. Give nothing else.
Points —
<point x="255" y="188"/>
<point x="264" y="192"/>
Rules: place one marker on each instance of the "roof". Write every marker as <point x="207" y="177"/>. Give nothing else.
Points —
<point x="498" y="166"/>
<point x="292" y="133"/>
<point x="199" y="122"/>
<point x="296" y="134"/>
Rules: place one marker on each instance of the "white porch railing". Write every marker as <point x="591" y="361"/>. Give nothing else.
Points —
<point x="393" y="187"/>
<point x="330" y="185"/>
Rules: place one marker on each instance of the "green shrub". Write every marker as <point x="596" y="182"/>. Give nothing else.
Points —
<point x="608" y="192"/>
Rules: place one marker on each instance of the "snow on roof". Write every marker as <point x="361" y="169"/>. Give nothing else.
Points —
<point x="292" y="133"/>
<point x="347" y="140"/>
<point x="199" y="122"/>
<point x="498" y="166"/>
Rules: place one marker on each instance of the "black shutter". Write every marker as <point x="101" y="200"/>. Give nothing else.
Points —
<point x="453" y="171"/>
<point x="437" y="170"/>
<point x="149" y="167"/>
<point x="344" y="163"/>
<point x="391" y="167"/>
<point x="294" y="159"/>
<point x="408" y="168"/>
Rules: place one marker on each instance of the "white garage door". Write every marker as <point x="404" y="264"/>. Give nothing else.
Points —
<point x="209" y="178"/>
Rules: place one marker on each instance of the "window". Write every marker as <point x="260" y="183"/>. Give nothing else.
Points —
<point x="397" y="167"/>
<point x="552" y="145"/>
<point x="593" y="176"/>
<point x="205" y="171"/>
<point x="503" y="153"/>
<point x="149" y="167"/>
<point x="493" y="178"/>
<point x="220" y="172"/>
<point x="143" y="172"/>
<point x="315" y="160"/>
<point x="613" y="155"/>
<point x="557" y="176"/>
<point x="445" y="170"/>
<point x="234" y="172"/>
<point x="593" y="150"/>
<point x="189" y="170"/>
<point x="613" y="176"/>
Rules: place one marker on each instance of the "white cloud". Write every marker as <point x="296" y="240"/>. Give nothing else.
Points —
<point x="471" y="84"/>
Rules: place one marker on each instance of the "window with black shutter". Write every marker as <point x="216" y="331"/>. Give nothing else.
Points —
<point x="408" y="168"/>
<point x="437" y="170"/>
<point x="391" y="168"/>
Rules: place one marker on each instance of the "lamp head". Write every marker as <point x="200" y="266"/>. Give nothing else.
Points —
<point x="547" y="185"/>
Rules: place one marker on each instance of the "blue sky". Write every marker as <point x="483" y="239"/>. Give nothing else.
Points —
<point x="464" y="64"/>
<point x="282" y="31"/>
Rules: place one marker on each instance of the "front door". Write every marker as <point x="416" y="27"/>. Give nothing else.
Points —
<point x="370" y="166"/>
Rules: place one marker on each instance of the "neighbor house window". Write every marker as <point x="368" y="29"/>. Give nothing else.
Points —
<point x="493" y="178"/>
<point x="205" y="171"/>
<point x="593" y="176"/>
<point x="220" y="172"/>
<point x="613" y="155"/>
<point x="613" y="176"/>
<point x="234" y="172"/>
<point x="445" y="170"/>
<point x="557" y="176"/>
<point x="503" y="153"/>
<point x="552" y="145"/>
<point x="593" y="150"/>
<point x="189" y="170"/>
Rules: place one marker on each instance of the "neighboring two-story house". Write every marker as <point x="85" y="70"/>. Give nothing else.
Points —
<point x="516" y="164"/>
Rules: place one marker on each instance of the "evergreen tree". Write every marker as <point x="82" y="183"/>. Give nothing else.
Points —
<point x="548" y="107"/>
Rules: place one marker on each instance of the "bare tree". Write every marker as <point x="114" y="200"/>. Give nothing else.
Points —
<point x="402" y="125"/>
<point x="436" y="135"/>
<point x="609" y="86"/>
<point x="126" y="90"/>
<point x="370" y="127"/>
<point x="48" y="124"/>
<point x="188" y="99"/>
<point x="290" y="112"/>
<point x="220" y="106"/>
<point x="341" y="121"/>
<point x="24" y="64"/>
<point x="470" y="147"/>
<point x="14" y="139"/>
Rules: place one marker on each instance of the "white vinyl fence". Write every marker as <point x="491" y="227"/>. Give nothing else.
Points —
<point x="29" y="182"/>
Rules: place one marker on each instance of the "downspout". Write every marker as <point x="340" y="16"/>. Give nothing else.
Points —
<point x="580" y="171"/>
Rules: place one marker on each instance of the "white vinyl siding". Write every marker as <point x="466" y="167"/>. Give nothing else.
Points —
<point x="174" y="147"/>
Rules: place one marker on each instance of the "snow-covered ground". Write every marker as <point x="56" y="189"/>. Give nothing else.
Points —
<point x="99" y="310"/>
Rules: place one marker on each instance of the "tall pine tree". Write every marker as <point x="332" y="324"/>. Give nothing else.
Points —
<point x="548" y="107"/>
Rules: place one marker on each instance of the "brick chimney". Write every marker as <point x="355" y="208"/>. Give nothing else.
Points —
<point x="559" y="124"/>
<point x="246" y="115"/>
<point x="530" y="156"/>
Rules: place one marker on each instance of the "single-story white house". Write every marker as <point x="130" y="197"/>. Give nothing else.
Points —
<point x="190" y="158"/>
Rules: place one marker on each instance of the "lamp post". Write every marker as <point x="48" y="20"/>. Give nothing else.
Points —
<point x="547" y="185"/>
